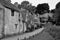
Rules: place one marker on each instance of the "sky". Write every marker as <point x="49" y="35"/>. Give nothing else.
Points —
<point x="51" y="3"/>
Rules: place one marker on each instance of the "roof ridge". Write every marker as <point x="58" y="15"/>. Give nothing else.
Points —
<point x="9" y="5"/>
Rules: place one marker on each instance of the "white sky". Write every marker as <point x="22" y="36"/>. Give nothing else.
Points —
<point x="51" y="3"/>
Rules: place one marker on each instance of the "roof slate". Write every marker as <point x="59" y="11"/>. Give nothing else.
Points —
<point x="9" y="5"/>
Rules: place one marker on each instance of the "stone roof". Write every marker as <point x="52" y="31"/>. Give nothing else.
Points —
<point x="9" y="5"/>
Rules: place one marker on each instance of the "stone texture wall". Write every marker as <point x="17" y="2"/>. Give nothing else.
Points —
<point x="1" y="21"/>
<point x="11" y="22"/>
<point x="7" y="19"/>
<point x="20" y="23"/>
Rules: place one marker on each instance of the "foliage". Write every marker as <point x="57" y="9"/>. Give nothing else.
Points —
<point x="16" y="4"/>
<point x="8" y="1"/>
<point x="58" y="5"/>
<point x="41" y="7"/>
<point x="27" y="5"/>
<point x="54" y="31"/>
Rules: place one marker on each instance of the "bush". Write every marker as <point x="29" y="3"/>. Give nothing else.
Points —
<point x="54" y="31"/>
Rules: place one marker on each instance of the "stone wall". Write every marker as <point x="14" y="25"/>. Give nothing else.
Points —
<point x="11" y="22"/>
<point x="1" y="21"/>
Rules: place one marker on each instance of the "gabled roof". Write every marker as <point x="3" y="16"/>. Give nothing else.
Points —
<point x="9" y="5"/>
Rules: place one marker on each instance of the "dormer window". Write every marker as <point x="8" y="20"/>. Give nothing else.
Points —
<point x="12" y="12"/>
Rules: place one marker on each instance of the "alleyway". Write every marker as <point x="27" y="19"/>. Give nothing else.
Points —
<point x="26" y="35"/>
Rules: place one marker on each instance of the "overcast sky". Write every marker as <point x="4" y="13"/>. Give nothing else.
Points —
<point x="51" y="3"/>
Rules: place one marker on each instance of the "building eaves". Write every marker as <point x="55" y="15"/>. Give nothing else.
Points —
<point x="9" y="5"/>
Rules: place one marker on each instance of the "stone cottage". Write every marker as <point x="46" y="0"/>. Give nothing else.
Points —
<point x="28" y="18"/>
<point x="9" y="18"/>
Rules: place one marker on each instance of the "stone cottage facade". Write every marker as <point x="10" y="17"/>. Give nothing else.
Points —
<point x="28" y="18"/>
<point x="10" y="22"/>
<point x="14" y="20"/>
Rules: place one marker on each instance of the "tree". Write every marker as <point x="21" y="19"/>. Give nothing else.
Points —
<point x="32" y="9"/>
<point x="19" y="6"/>
<point x="41" y="7"/>
<point x="58" y="5"/>
<point x="24" y="3"/>
<point x="27" y="5"/>
<point x="53" y="11"/>
<point x="8" y="1"/>
<point x="57" y="14"/>
<point x="16" y="4"/>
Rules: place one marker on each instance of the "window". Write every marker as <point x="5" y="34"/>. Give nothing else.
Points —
<point x="16" y="26"/>
<point x="12" y="12"/>
<point x="19" y="15"/>
<point x="19" y="20"/>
